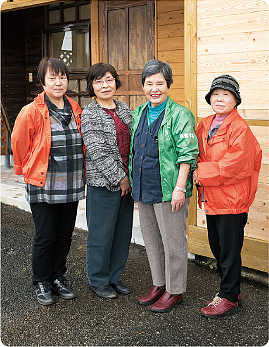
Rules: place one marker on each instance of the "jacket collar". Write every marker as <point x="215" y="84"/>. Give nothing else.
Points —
<point x="40" y="101"/>
<point x="40" y="104"/>
<point x="167" y="114"/>
<point x="230" y="117"/>
<point x="168" y="110"/>
<point x="121" y="110"/>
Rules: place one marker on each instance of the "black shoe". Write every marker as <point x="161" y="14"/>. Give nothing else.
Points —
<point x="106" y="292"/>
<point x="44" y="293"/>
<point x="120" y="287"/>
<point x="59" y="287"/>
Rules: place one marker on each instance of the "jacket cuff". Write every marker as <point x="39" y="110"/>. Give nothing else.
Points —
<point x="18" y="169"/>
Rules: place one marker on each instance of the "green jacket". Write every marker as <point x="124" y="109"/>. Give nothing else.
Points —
<point x="177" y="144"/>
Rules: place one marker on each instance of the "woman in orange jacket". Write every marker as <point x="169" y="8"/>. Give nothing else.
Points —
<point x="227" y="180"/>
<point x="48" y="151"/>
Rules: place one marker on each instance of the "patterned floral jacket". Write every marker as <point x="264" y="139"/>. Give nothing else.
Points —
<point x="104" y="166"/>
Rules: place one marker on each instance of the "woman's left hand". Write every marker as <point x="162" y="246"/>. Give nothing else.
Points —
<point x="178" y="200"/>
<point x="195" y="178"/>
<point x="125" y="186"/>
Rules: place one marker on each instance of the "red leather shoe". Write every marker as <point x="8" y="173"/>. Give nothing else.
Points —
<point x="153" y="295"/>
<point x="219" y="307"/>
<point x="239" y="299"/>
<point x="166" y="303"/>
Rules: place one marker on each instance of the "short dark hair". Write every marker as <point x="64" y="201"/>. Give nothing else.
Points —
<point x="155" y="66"/>
<point x="99" y="70"/>
<point x="54" y="65"/>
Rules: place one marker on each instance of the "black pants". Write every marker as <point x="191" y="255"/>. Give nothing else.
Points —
<point x="226" y="237"/>
<point x="54" y="224"/>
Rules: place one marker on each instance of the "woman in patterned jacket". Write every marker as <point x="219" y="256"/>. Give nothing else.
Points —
<point x="106" y="125"/>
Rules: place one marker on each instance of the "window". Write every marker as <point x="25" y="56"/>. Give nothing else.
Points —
<point x="67" y="37"/>
<point x="72" y="47"/>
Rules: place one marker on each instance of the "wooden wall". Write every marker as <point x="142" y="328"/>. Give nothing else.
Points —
<point x="33" y="49"/>
<point x="21" y="53"/>
<point x="233" y="38"/>
<point x="170" y="42"/>
<point x="13" y="62"/>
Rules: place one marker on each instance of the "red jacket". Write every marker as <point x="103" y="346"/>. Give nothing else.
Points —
<point x="228" y="166"/>
<point x="31" y="140"/>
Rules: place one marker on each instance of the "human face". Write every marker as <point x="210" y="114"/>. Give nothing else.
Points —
<point x="55" y="85"/>
<point x="104" y="87"/>
<point x="222" y="102"/>
<point x="155" y="89"/>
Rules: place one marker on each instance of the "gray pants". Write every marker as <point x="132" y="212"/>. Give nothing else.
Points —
<point x="164" y="234"/>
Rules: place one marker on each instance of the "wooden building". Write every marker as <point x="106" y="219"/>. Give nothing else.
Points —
<point x="200" y="39"/>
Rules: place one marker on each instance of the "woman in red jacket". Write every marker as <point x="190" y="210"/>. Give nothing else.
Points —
<point x="227" y="180"/>
<point x="48" y="151"/>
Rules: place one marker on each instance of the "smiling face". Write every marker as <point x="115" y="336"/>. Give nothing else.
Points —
<point x="104" y="87"/>
<point x="55" y="85"/>
<point x="222" y="102"/>
<point x="155" y="89"/>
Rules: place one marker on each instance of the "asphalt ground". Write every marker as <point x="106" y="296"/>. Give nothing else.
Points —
<point x="92" y="321"/>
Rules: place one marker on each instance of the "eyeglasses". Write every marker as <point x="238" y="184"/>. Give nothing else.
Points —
<point x="100" y="82"/>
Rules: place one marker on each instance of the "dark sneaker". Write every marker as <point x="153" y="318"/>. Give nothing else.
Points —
<point x="59" y="287"/>
<point x="44" y="293"/>
<point x="106" y="292"/>
<point x="120" y="287"/>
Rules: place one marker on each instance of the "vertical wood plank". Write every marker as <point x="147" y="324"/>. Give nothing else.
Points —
<point x="190" y="58"/>
<point x="103" y="31"/>
<point x="117" y="39"/>
<point x="156" y="30"/>
<point x="95" y="56"/>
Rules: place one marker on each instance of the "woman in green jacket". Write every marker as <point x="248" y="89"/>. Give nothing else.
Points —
<point x="163" y="155"/>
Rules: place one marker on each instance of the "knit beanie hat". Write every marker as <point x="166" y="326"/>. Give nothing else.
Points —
<point x="225" y="82"/>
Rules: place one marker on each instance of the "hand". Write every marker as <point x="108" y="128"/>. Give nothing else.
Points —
<point x="195" y="178"/>
<point x="178" y="200"/>
<point x="125" y="186"/>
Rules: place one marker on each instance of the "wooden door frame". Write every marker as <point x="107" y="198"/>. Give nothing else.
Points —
<point x="95" y="48"/>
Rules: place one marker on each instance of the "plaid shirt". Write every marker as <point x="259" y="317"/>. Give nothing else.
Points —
<point x="65" y="176"/>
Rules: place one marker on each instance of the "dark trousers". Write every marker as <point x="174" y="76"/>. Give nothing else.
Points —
<point x="226" y="236"/>
<point x="110" y="220"/>
<point x="54" y="224"/>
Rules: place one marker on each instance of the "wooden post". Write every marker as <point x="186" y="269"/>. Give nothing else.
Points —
<point x="95" y="51"/>
<point x="190" y="67"/>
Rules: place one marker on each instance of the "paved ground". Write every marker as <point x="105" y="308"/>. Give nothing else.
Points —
<point x="91" y="321"/>
<point x="12" y="192"/>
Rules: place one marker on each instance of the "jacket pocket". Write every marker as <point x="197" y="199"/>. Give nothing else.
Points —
<point x="217" y="138"/>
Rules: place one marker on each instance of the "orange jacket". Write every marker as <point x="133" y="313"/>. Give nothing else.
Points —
<point x="228" y="166"/>
<point x="31" y="140"/>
